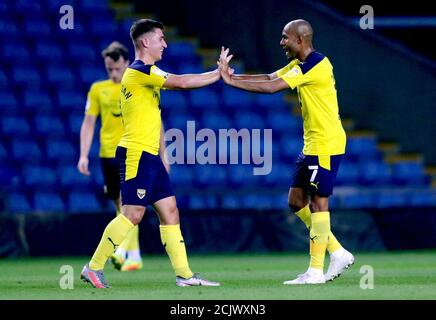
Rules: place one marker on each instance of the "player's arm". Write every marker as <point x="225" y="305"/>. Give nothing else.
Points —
<point x="191" y="81"/>
<point x="263" y="86"/>
<point x="255" y="77"/>
<point x="86" y="135"/>
<point x="162" y="149"/>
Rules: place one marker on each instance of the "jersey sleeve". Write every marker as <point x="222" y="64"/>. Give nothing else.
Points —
<point x="92" y="105"/>
<point x="286" y="68"/>
<point x="294" y="77"/>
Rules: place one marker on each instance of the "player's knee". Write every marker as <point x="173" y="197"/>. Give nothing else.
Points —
<point x="134" y="215"/>
<point x="296" y="204"/>
<point x="318" y="205"/>
<point x="171" y="215"/>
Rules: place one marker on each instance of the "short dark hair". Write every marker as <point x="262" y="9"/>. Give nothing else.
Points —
<point x="116" y="50"/>
<point x="141" y="26"/>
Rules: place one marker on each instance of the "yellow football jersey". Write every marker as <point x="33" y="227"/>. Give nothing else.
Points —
<point x="140" y="107"/>
<point x="103" y="100"/>
<point x="323" y="131"/>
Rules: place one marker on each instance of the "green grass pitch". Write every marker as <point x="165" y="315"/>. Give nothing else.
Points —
<point x="397" y="275"/>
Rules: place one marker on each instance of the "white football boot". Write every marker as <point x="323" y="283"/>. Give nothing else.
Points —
<point x="339" y="262"/>
<point x="311" y="276"/>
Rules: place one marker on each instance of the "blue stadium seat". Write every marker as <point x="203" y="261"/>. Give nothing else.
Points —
<point x="280" y="175"/>
<point x="60" y="76"/>
<point x="240" y="175"/>
<point x="257" y="201"/>
<point x="362" y="147"/>
<point x="8" y="29"/>
<point x="37" y="27"/>
<point x="181" y="50"/>
<point x="37" y="101"/>
<point x="410" y="173"/>
<point x="70" y="177"/>
<point x="354" y="198"/>
<point x="422" y="198"/>
<point x="75" y="122"/>
<point x="182" y="175"/>
<point x="82" y="51"/>
<point x="177" y="120"/>
<point x="71" y="100"/>
<point x="83" y="202"/>
<point x="187" y="68"/>
<point x="9" y="103"/>
<point x="94" y="6"/>
<point x="15" y="126"/>
<point x="284" y="122"/>
<point x="57" y="4"/>
<point x="60" y="149"/>
<point x="89" y="74"/>
<point x="348" y="174"/>
<point x="18" y="203"/>
<point x="374" y="173"/>
<point x="101" y="25"/>
<point x="3" y="81"/>
<point x="249" y="120"/>
<point x="26" y="150"/>
<point x="211" y="175"/>
<point x="48" y="51"/>
<point x="197" y="202"/>
<point x="15" y="51"/>
<point x="26" y="76"/>
<point x="173" y="99"/>
<point x="49" y="126"/>
<point x="290" y="146"/>
<point x="215" y="121"/>
<point x="391" y="198"/>
<point x="235" y="98"/>
<point x="9" y="175"/>
<point x="230" y="201"/>
<point x="204" y="98"/>
<point x="48" y="202"/>
<point x="30" y="8"/>
<point x="39" y="176"/>
<point x="3" y="153"/>
<point x="271" y="101"/>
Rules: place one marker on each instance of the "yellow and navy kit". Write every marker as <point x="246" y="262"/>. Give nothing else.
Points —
<point x="103" y="100"/>
<point x="314" y="80"/>
<point x="140" y="107"/>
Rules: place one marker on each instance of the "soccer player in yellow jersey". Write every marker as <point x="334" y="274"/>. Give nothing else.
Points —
<point x="103" y="100"/>
<point x="324" y="142"/>
<point x="144" y="180"/>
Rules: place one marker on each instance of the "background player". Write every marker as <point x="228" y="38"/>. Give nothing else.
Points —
<point x="324" y="142"/>
<point x="144" y="179"/>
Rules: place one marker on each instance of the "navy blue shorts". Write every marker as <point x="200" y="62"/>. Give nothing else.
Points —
<point x="144" y="179"/>
<point x="312" y="174"/>
<point x="111" y="177"/>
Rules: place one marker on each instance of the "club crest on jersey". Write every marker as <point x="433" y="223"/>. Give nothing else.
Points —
<point x="141" y="193"/>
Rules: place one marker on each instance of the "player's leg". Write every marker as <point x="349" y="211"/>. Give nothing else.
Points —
<point x="114" y="233"/>
<point x="174" y="244"/>
<point x="298" y="200"/>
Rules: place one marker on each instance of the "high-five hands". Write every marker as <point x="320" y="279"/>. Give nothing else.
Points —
<point x="223" y="65"/>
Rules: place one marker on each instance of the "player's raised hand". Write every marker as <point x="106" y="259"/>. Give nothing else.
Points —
<point x="82" y="166"/>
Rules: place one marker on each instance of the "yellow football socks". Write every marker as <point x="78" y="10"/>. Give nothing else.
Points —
<point x="304" y="214"/>
<point x="319" y="234"/>
<point x="115" y="232"/>
<point x="172" y="240"/>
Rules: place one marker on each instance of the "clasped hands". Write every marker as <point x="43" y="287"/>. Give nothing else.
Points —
<point x="225" y="70"/>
